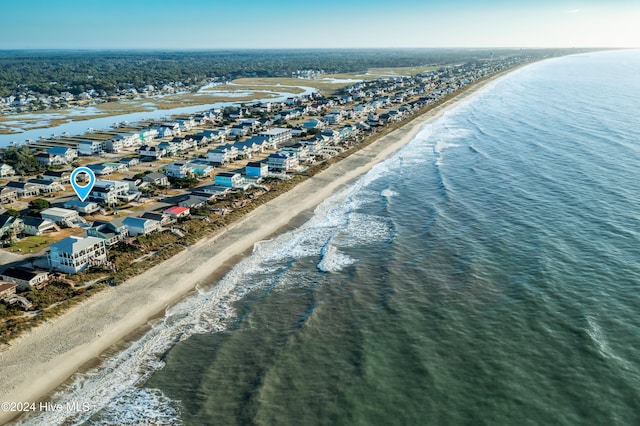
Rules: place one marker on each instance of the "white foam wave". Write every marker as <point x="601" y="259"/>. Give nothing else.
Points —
<point x="140" y="407"/>
<point x="333" y="260"/>
<point x="388" y="193"/>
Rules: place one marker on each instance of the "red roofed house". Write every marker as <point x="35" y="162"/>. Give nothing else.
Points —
<point x="177" y="212"/>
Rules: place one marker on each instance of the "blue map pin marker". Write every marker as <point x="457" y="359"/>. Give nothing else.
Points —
<point x="83" y="191"/>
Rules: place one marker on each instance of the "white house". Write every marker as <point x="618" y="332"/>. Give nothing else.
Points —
<point x="110" y="191"/>
<point x="25" y="278"/>
<point x="140" y="226"/>
<point x="37" y="226"/>
<point x="46" y="186"/>
<point x="151" y="152"/>
<point x="279" y="135"/>
<point x="69" y="154"/>
<point x="60" y="216"/>
<point x="75" y="254"/>
<point x="6" y="170"/>
<point x="90" y="147"/>
<point x="282" y="161"/>
<point x="178" y="169"/>
<point x="229" y="179"/>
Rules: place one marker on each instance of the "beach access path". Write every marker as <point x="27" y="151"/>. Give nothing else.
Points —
<point x="42" y="359"/>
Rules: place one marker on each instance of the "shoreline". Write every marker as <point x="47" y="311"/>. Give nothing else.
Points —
<point x="47" y="356"/>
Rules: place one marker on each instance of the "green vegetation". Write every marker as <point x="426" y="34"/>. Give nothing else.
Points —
<point x="110" y="72"/>
<point x="22" y="159"/>
<point x="37" y="205"/>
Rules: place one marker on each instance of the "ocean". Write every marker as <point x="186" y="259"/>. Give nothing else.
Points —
<point x="487" y="273"/>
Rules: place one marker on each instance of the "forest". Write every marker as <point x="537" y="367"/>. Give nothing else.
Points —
<point x="108" y="72"/>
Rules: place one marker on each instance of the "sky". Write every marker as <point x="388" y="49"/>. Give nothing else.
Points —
<point x="257" y="24"/>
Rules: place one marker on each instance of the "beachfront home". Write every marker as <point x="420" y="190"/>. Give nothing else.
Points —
<point x="7" y="289"/>
<point x="300" y="151"/>
<point x="64" y="217"/>
<point x="229" y="179"/>
<point x="6" y="170"/>
<point x="38" y="226"/>
<point x="111" y="232"/>
<point x="192" y="202"/>
<point x="90" y="147"/>
<point x="10" y="226"/>
<point x="282" y="161"/>
<point x="141" y="226"/>
<point x="256" y="169"/>
<point x="75" y="254"/>
<point x="177" y="212"/>
<point x="24" y="278"/>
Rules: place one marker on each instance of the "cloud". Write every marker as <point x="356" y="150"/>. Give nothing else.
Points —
<point x="573" y="11"/>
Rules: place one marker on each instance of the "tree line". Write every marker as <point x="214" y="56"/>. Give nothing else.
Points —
<point x="54" y="72"/>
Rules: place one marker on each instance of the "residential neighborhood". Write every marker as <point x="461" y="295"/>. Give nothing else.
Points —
<point x="152" y="177"/>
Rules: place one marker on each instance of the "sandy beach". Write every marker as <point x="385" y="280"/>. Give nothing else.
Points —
<point x="44" y="358"/>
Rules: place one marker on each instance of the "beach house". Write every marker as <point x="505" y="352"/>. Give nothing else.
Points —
<point x="38" y="226"/>
<point x="282" y="161"/>
<point x="75" y="254"/>
<point x="68" y="154"/>
<point x="157" y="179"/>
<point x="61" y="176"/>
<point x="63" y="217"/>
<point x="229" y="179"/>
<point x="6" y="170"/>
<point x="256" y="169"/>
<point x="10" y="226"/>
<point x="23" y="189"/>
<point x="109" y="192"/>
<point x="140" y="226"/>
<point x="177" y="212"/>
<point x="89" y="147"/>
<point x="111" y="232"/>
<point x="24" y="278"/>
<point x="277" y="135"/>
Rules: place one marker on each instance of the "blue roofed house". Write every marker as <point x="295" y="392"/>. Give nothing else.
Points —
<point x="229" y="179"/>
<point x="140" y="226"/>
<point x="38" y="226"/>
<point x="69" y="154"/>
<point x="111" y="232"/>
<point x="255" y="169"/>
<point x="75" y="254"/>
<point x="90" y="147"/>
<point x="282" y="161"/>
<point x="101" y="169"/>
